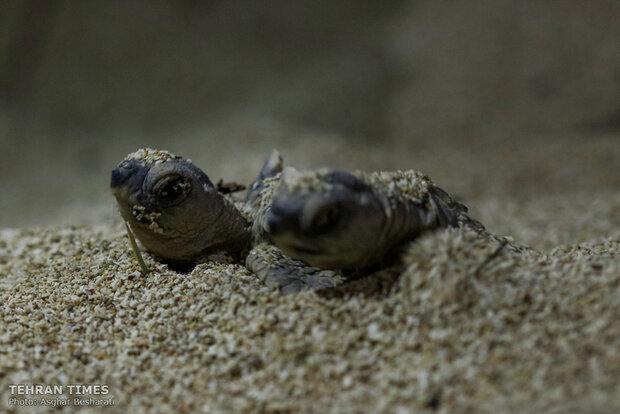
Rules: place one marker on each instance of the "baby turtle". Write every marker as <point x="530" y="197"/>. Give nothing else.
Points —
<point x="354" y="222"/>
<point x="181" y="218"/>
<point x="174" y="210"/>
<point x="296" y="230"/>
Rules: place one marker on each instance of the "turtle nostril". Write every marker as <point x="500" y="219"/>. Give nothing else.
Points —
<point x="119" y="175"/>
<point x="128" y="174"/>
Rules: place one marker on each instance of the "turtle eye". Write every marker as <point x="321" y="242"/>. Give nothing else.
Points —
<point x="171" y="190"/>
<point x="327" y="217"/>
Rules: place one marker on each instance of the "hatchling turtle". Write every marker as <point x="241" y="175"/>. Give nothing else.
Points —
<point x="352" y="223"/>
<point x="296" y="230"/>
<point x="182" y="219"/>
<point x="174" y="209"/>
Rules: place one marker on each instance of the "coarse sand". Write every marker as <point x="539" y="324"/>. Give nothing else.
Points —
<point x="470" y="327"/>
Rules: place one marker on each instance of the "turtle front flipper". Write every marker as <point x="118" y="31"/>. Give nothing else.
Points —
<point x="273" y="165"/>
<point x="288" y="275"/>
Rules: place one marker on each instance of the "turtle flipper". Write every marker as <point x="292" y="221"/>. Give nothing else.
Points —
<point x="288" y="275"/>
<point x="451" y="213"/>
<point x="273" y="165"/>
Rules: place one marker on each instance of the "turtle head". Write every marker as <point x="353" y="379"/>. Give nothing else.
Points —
<point x="170" y="204"/>
<point x="326" y="218"/>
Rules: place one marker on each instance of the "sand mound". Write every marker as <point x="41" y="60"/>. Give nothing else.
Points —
<point x="472" y="326"/>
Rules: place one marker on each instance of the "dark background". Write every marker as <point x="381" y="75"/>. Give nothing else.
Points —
<point x="493" y="99"/>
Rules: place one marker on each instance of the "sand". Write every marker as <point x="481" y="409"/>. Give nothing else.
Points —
<point x="516" y="116"/>
<point x="470" y="327"/>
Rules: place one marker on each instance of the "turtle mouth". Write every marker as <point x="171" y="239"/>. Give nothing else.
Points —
<point x="126" y="182"/>
<point x="122" y="194"/>
<point x="125" y="197"/>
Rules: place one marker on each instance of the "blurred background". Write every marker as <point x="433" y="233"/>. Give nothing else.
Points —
<point x="499" y="101"/>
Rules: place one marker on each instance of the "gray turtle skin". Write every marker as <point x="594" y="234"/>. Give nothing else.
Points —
<point x="174" y="209"/>
<point x="178" y="215"/>
<point x="358" y="223"/>
<point x="354" y="222"/>
<point x="296" y="230"/>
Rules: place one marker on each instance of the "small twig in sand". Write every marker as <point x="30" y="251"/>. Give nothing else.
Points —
<point x="477" y="285"/>
<point x="492" y="256"/>
<point x="136" y="251"/>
